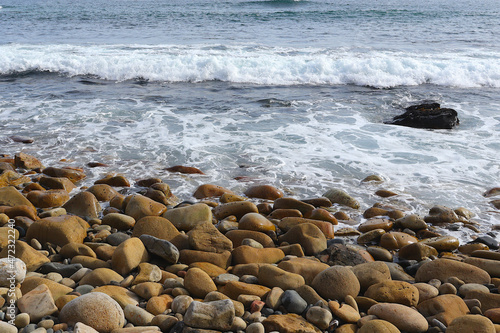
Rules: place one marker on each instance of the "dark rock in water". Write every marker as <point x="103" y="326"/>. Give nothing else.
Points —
<point x="23" y="139"/>
<point x="427" y="115"/>
<point x="489" y="241"/>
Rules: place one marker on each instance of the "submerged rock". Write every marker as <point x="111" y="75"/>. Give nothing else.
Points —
<point x="427" y="115"/>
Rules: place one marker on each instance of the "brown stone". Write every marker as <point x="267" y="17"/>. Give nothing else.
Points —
<point x="121" y="295"/>
<point x="378" y="326"/>
<point x="184" y="169"/>
<point x="237" y="236"/>
<point x="396" y="240"/>
<point x="21" y="210"/>
<point x="10" y="196"/>
<point x="444" y="308"/>
<point x="128" y="255"/>
<point x="291" y="203"/>
<point x="117" y="181"/>
<point x="491" y="266"/>
<point x="187" y="217"/>
<point x="393" y="292"/>
<point x="222" y="260"/>
<point x="289" y="323"/>
<point x="443" y="243"/>
<point x="140" y="206"/>
<point x="103" y="192"/>
<point x="57" y="183"/>
<point x="206" y="237"/>
<point x="56" y="289"/>
<point x="471" y="323"/>
<point x="321" y="214"/>
<point x="38" y="303"/>
<point x="306" y="267"/>
<point x="403" y="317"/>
<point x="119" y="221"/>
<point x="100" y="277"/>
<point x="342" y="198"/>
<point x="208" y="190"/>
<point x="71" y="250"/>
<point x="442" y="214"/>
<point x="12" y="178"/>
<point x="374" y="211"/>
<point x="267" y="192"/>
<point x="417" y="251"/>
<point x="281" y="213"/>
<point x="46" y="199"/>
<point x="289" y="222"/>
<point x="25" y="161"/>
<point x="336" y="282"/>
<point x="488" y="300"/>
<point x="493" y="315"/>
<point x="73" y="175"/>
<point x="146" y="290"/>
<point x="211" y="269"/>
<point x="371" y="273"/>
<point x="443" y="269"/>
<point x="59" y="230"/>
<point x="159" y="304"/>
<point x="308" y="235"/>
<point x="256" y="222"/>
<point x="89" y="262"/>
<point x="272" y="276"/>
<point x="156" y="226"/>
<point x="83" y="204"/>
<point x="233" y="289"/>
<point x="198" y="283"/>
<point x="373" y="224"/>
<point x="246" y="255"/>
<point x="31" y="257"/>
<point x="344" y="312"/>
<point x="237" y="208"/>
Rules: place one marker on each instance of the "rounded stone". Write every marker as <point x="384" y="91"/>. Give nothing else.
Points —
<point x="395" y="240"/>
<point x="11" y="267"/>
<point x="84" y="309"/>
<point x="443" y="269"/>
<point x="309" y="236"/>
<point x="255" y="222"/>
<point x="378" y="326"/>
<point x="401" y="316"/>
<point x="292" y="302"/>
<point x="319" y="316"/>
<point x="394" y="292"/>
<point x="272" y="276"/>
<point x="471" y="323"/>
<point x="371" y="273"/>
<point x="336" y="282"/>
<point x="119" y="221"/>
<point x="267" y="192"/>
<point x="128" y="255"/>
<point x="22" y="320"/>
<point x="198" y="283"/>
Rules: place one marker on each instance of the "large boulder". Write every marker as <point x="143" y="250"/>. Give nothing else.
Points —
<point x="427" y="115"/>
<point x="58" y="230"/>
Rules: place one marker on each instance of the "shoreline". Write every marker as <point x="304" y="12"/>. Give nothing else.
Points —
<point x="166" y="254"/>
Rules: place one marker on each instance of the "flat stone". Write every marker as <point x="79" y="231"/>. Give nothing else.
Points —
<point x="114" y="180"/>
<point x="403" y="317"/>
<point x="10" y="196"/>
<point x="66" y="270"/>
<point x="488" y="265"/>
<point x="57" y="183"/>
<point x="121" y="295"/>
<point x="306" y="267"/>
<point x="272" y="276"/>
<point x="59" y="230"/>
<point x="237" y="236"/>
<point x="471" y="323"/>
<point x="237" y="208"/>
<point x="233" y="289"/>
<point x="488" y="300"/>
<point x="71" y="250"/>
<point x="100" y="277"/>
<point x="246" y="254"/>
<point x="31" y="257"/>
<point x="119" y="221"/>
<point x="378" y="326"/>
<point x="73" y="175"/>
<point x="288" y="323"/>
<point x="25" y="161"/>
<point x="222" y="260"/>
<point x="344" y="312"/>
<point x="341" y="197"/>
<point x="209" y="190"/>
<point x="336" y="282"/>
<point x="47" y="199"/>
<point x="291" y="203"/>
<point x="376" y="223"/>
<point x="443" y="269"/>
<point x="38" y="303"/>
<point x="267" y="192"/>
<point x="443" y="243"/>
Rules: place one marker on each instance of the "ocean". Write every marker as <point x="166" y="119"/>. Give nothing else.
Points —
<point x="288" y="93"/>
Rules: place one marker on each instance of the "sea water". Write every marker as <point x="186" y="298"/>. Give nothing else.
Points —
<point x="288" y="93"/>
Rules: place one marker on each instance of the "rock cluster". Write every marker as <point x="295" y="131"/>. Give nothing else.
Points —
<point x="95" y="260"/>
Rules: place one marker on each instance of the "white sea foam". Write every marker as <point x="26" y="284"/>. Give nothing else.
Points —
<point x="256" y="65"/>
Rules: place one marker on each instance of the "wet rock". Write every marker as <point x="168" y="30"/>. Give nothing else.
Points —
<point x="160" y="192"/>
<point x="338" y="254"/>
<point x="83" y="204"/>
<point x="289" y="222"/>
<point x="396" y="240"/>
<point x="443" y="243"/>
<point x="140" y="206"/>
<point x="442" y="214"/>
<point x="47" y="199"/>
<point x="209" y="190"/>
<point x="376" y="223"/>
<point x="341" y="197"/>
<point x="9" y="196"/>
<point x="156" y="226"/>
<point x="59" y="230"/>
<point x="417" y="251"/>
<point x="237" y="236"/>
<point x="267" y="192"/>
<point x="336" y="282"/>
<point x="216" y="315"/>
<point x="291" y="203"/>
<point x="117" y="181"/>
<point x="412" y="222"/>
<point x="103" y="192"/>
<point x="184" y="169"/>
<point x="84" y="308"/>
<point x="256" y="222"/>
<point x="12" y="178"/>
<point x="25" y="161"/>
<point x="57" y="183"/>
<point x="73" y="175"/>
<point x="237" y="208"/>
<point x="427" y="115"/>
<point x="119" y="221"/>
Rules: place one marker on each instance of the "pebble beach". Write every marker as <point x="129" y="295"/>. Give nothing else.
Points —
<point x="116" y="255"/>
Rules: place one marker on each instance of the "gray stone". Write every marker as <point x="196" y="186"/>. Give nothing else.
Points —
<point x="292" y="302"/>
<point x="216" y="315"/>
<point x="64" y="270"/>
<point x="137" y="316"/>
<point x="225" y="278"/>
<point x="160" y="247"/>
<point x="117" y="238"/>
<point x="181" y="303"/>
<point x="84" y="289"/>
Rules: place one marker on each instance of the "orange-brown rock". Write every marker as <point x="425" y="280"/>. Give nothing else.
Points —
<point x="322" y="214"/>
<point x="12" y="178"/>
<point x="56" y="289"/>
<point x="233" y="289"/>
<point x="209" y="190"/>
<point x="58" y="230"/>
<point x="159" y="304"/>
<point x="267" y="192"/>
<point x="395" y="240"/>
<point x="284" y="212"/>
<point x="237" y="208"/>
<point x="156" y="226"/>
<point x="237" y="236"/>
<point x="376" y="223"/>
<point x="246" y="255"/>
<point x="289" y="323"/>
<point x="140" y="206"/>
<point x="71" y="250"/>
<point x="103" y="192"/>
<point x="46" y="199"/>
<point x="31" y="257"/>
<point x="291" y="203"/>
<point x="57" y="183"/>
<point x="116" y="181"/>
<point x="184" y="169"/>
<point x="471" y="323"/>
<point x="206" y="237"/>
<point x="25" y="161"/>
<point x="222" y="260"/>
<point x="10" y="196"/>
<point x="444" y="308"/>
<point x="371" y="273"/>
<point x="389" y="291"/>
<point x="308" y="235"/>
<point x="128" y="255"/>
<point x="417" y="251"/>
<point x="443" y="269"/>
<point x="443" y="243"/>
<point x="256" y="222"/>
<point x="306" y="267"/>
<point x="83" y="204"/>
<point x="73" y="175"/>
<point x="20" y="210"/>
